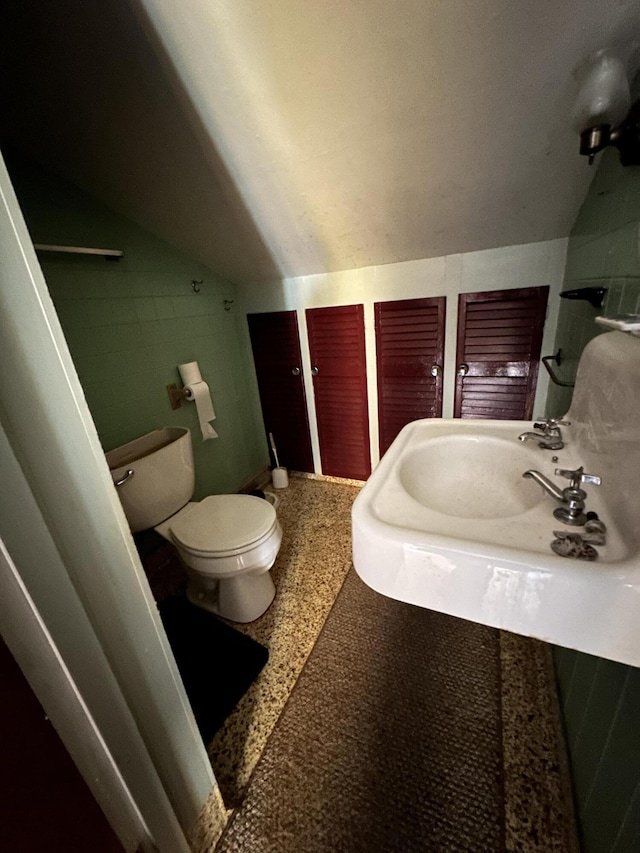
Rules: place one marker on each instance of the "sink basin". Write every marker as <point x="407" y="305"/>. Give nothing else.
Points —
<point x="470" y="476"/>
<point x="447" y="522"/>
<point x="459" y="484"/>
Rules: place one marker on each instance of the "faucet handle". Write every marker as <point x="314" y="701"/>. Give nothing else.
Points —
<point x="548" y="424"/>
<point x="578" y="477"/>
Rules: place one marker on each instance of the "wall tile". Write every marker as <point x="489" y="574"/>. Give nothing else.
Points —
<point x="72" y="314"/>
<point x="121" y="311"/>
<point x="594" y="693"/>
<point x="186" y="306"/>
<point x="631" y="210"/>
<point x="608" y="683"/>
<point x="616" y="779"/>
<point x="145" y="308"/>
<point x="98" y="398"/>
<point x="630" y="300"/>
<point x="622" y="256"/>
<point x="615" y="289"/>
<point x="629" y="834"/>
<point x="601" y="698"/>
<point x="577" y="695"/>
<point x="130" y="323"/>
<point x="164" y="308"/>
<point x="565" y="662"/>
<point x="587" y="261"/>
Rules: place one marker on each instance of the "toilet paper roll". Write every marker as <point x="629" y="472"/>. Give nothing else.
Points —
<point x="199" y="392"/>
<point x="190" y="373"/>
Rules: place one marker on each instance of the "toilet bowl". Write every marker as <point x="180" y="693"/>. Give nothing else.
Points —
<point x="227" y="543"/>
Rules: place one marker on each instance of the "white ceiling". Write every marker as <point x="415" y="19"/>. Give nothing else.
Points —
<point x="285" y="138"/>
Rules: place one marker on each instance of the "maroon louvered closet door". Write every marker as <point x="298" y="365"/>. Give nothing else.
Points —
<point x="498" y="349"/>
<point x="336" y="344"/>
<point x="409" y="357"/>
<point x="276" y="353"/>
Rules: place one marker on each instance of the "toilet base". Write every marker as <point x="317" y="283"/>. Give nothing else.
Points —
<point x="240" y="599"/>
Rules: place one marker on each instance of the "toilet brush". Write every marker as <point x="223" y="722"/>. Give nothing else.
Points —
<point x="279" y="476"/>
<point x="273" y="448"/>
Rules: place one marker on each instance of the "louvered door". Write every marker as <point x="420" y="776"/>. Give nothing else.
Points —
<point x="409" y="357"/>
<point x="276" y="353"/>
<point x="336" y="344"/>
<point x="498" y="350"/>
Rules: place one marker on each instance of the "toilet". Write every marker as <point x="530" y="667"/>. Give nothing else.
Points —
<point x="228" y="543"/>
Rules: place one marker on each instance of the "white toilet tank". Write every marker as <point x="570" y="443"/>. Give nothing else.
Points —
<point x="163" y="476"/>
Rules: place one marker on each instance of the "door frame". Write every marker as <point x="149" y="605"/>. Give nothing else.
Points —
<point x="93" y="597"/>
<point x="35" y="652"/>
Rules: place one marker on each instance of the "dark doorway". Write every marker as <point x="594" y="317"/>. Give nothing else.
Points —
<point x="276" y="352"/>
<point x="46" y="804"/>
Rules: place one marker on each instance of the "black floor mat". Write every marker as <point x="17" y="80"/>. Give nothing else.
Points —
<point x="217" y="663"/>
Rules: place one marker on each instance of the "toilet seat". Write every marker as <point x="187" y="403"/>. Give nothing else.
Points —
<point x="226" y="543"/>
<point x="224" y="525"/>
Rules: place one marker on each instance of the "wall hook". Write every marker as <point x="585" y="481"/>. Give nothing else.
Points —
<point x="594" y="295"/>
<point x="195" y="284"/>
<point x="227" y="304"/>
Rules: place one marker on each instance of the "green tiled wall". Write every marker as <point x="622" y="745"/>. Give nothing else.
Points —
<point x="129" y="323"/>
<point x="601" y="702"/>
<point x="600" y="698"/>
<point x="603" y="252"/>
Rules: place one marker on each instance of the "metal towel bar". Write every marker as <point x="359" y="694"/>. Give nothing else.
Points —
<point x="558" y="360"/>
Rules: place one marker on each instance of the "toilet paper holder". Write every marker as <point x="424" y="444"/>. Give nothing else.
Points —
<point x="176" y="395"/>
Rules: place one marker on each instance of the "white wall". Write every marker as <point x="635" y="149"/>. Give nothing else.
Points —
<point x="529" y="265"/>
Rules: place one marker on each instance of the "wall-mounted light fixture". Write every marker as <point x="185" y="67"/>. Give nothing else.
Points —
<point x="603" y="114"/>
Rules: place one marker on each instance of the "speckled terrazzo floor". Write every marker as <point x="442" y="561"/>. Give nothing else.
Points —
<point x="539" y="814"/>
<point x="312" y="564"/>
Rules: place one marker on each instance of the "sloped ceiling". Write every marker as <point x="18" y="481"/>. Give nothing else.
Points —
<point x="285" y="138"/>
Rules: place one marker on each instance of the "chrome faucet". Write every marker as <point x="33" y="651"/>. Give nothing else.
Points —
<point x="572" y="497"/>
<point x="550" y="438"/>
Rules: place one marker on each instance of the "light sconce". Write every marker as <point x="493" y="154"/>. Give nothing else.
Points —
<point x="603" y="114"/>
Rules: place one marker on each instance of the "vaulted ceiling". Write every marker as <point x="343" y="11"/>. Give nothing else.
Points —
<point x="285" y="138"/>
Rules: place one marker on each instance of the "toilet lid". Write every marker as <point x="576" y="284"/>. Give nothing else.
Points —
<point x="224" y="523"/>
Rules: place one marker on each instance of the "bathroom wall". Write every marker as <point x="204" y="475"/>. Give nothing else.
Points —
<point x="129" y="323"/>
<point x="530" y="265"/>
<point x="604" y="251"/>
<point x="600" y="699"/>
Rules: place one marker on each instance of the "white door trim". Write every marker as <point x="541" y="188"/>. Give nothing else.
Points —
<point x="111" y="640"/>
<point x="33" y="648"/>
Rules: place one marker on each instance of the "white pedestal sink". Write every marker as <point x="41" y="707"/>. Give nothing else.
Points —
<point x="447" y="521"/>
